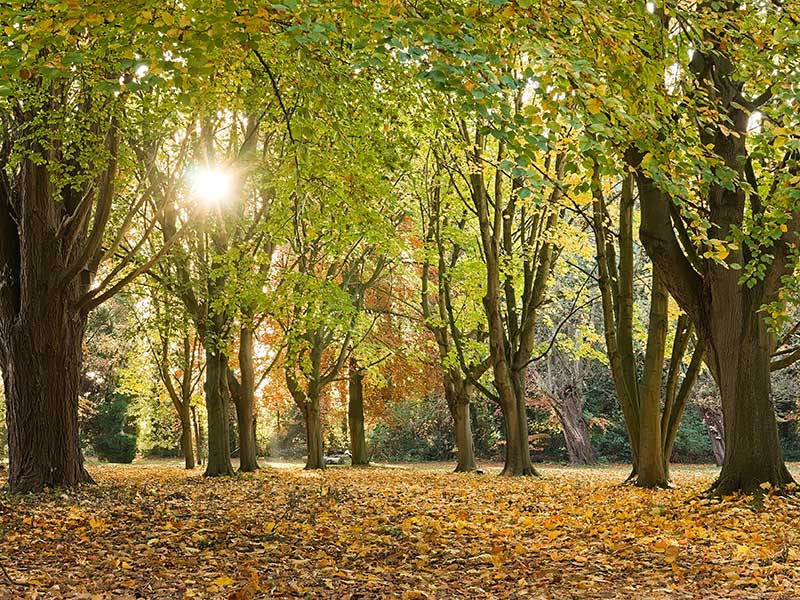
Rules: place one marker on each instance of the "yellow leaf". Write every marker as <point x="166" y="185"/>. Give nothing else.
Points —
<point x="223" y="581"/>
<point x="593" y="106"/>
<point x="415" y="595"/>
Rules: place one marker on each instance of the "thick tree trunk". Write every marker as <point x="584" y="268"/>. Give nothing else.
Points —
<point x="355" y="416"/>
<point x="740" y="364"/>
<point x="458" y="394"/>
<point x="518" y="456"/>
<point x="248" y="450"/>
<point x="41" y="373"/>
<point x="314" y="445"/>
<point x="219" y="452"/>
<point x="464" y="442"/>
<point x="578" y="439"/>
<point x="41" y="337"/>
<point x="187" y="448"/>
<point x="650" y="467"/>
<point x="726" y="313"/>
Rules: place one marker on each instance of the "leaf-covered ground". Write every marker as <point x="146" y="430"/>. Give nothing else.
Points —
<point x="157" y="532"/>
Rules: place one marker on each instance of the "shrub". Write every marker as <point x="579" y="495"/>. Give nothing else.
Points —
<point x="116" y="447"/>
<point x="111" y="432"/>
<point x="414" y="431"/>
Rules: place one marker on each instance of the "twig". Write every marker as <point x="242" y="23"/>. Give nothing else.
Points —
<point x="8" y="577"/>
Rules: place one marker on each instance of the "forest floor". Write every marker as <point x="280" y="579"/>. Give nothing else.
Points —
<point x="154" y="531"/>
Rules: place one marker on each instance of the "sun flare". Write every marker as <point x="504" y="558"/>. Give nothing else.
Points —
<point x="211" y="186"/>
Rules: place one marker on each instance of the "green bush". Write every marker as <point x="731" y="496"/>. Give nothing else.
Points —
<point x="116" y="447"/>
<point x="111" y="432"/>
<point x="414" y="431"/>
<point x="692" y="444"/>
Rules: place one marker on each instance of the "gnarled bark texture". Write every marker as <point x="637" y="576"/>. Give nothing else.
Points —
<point x="41" y="331"/>
<point x="560" y="381"/>
<point x="712" y="418"/>
<point x="41" y="374"/>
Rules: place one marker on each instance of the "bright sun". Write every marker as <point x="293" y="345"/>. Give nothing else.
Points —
<point x="211" y="186"/>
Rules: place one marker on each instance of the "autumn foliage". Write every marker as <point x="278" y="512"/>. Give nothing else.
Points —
<point x="157" y="532"/>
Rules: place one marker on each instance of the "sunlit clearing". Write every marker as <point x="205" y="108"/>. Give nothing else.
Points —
<point x="211" y="186"/>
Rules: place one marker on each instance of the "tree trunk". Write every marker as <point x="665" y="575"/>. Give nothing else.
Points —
<point x="726" y="313"/>
<point x="313" y="422"/>
<point x="198" y="436"/>
<point x="741" y="357"/>
<point x="219" y="452"/>
<point x="458" y="393"/>
<point x="713" y="422"/>
<point x="650" y="467"/>
<point x="41" y="372"/>
<point x="41" y="329"/>
<point x="186" y="438"/>
<point x="463" y="429"/>
<point x="578" y="439"/>
<point x="248" y="450"/>
<point x="518" y="456"/>
<point x="355" y="416"/>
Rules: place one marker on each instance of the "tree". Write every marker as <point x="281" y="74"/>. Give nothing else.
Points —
<point x="219" y="271"/>
<point x="355" y="414"/>
<point x="718" y="194"/>
<point x="452" y="314"/>
<point x="174" y="349"/>
<point x="69" y="90"/>
<point x="323" y="318"/>
<point x="561" y="379"/>
<point x="652" y="417"/>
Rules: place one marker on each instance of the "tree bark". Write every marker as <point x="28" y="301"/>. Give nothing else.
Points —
<point x="219" y="452"/>
<point x="464" y="442"/>
<point x="41" y="337"/>
<point x="650" y="467"/>
<point x="41" y="374"/>
<point x="578" y="439"/>
<point x="187" y="448"/>
<point x="518" y="456"/>
<point x="355" y="416"/>
<point x="716" y="433"/>
<point x="458" y="393"/>
<point x="198" y="436"/>
<point x="314" y="445"/>
<point x="738" y="345"/>
<point x="741" y="357"/>
<point x="243" y="395"/>
<point x="651" y="430"/>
